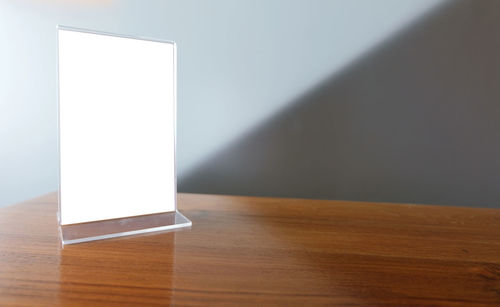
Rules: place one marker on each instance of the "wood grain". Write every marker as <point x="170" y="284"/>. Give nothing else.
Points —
<point x="260" y="251"/>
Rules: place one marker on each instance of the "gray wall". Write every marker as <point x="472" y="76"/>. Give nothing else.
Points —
<point x="416" y="120"/>
<point x="390" y="101"/>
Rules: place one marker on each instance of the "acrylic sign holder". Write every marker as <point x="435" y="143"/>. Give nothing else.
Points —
<point x="116" y="123"/>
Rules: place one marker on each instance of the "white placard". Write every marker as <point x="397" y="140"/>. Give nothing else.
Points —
<point x="116" y="126"/>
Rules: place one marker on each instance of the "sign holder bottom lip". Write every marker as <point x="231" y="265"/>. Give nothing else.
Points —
<point x="120" y="227"/>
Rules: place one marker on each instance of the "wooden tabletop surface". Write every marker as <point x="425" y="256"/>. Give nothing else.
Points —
<point x="260" y="251"/>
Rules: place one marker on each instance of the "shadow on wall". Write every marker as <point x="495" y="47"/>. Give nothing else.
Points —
<point x="417" y="120"/>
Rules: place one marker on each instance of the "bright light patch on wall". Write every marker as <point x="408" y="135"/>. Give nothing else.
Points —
<point x="77" y="2"/>
<point x="117" y="126"/>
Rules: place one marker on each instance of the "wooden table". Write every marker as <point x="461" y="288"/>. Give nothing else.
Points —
<point x="260" y="251"/>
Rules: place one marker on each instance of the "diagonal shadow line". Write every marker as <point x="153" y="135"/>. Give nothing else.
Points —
<point x="322" y="81"/>
<point x="413" y="121"/>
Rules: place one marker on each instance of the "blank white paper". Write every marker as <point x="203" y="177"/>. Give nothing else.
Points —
<point x="116" y="126"/>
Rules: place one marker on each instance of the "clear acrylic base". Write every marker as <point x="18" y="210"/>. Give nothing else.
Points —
<point x="99" y="230"/>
